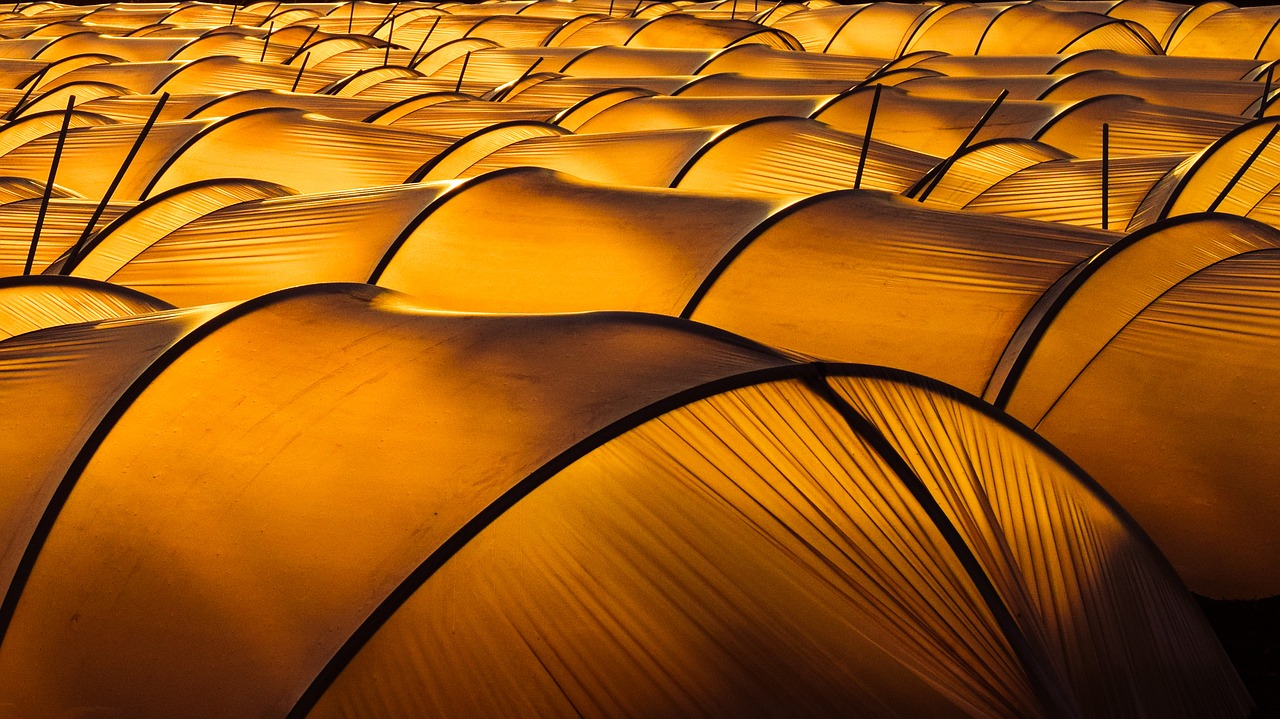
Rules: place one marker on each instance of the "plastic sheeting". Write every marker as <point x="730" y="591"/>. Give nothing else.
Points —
<point x="344" y="501"/>
<point x="568" y="246"/>
<point x="32" y="303"/>
<point x="941" y="298"/>
<point x="301" y="552"/>
<point x="564" y="605"/>
<point x="1170" y="336"/>
<point x="300" y="151"/>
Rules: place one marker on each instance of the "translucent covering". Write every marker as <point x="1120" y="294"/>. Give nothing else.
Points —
<point x="933" y="125"/>
<point x="1157" y="16"/>
<point x="764" y="61"/>
<point x="1174" y="327"/>
<point x="660" y="113"/>
<point x="968" y="175"/>
<point x="1230" y="32"/>
<point x="479" y="144"/>
<point x="304" y="152"/>
<point x="799" y="157"/>
<point x="990" y="481"/>
<point x="299" y="551"/>
<point x="252" y="247"/>
<point x="459" y="117"/>
<point x="1191" y="371"/>
<point x="1205" y="68"/>
<point x="649" y="159"/>
<point x="627" y="62"/>
<point x="1217" y="96"/>
<point x="1232" y="176"/>
<point x="1028" y="30"/>
<point x="769" y="550"/>
<point x="1136" y="127"/>
<point x="869" y="30"/>
<point x="958" y="32"/>
<point x="554" y="244"/>
<point x="338" y="108"/>
<point x="292" y="499"/>
<point x="92" y="156"/>
<point x="63" y="225"/>
<point x="140" y="77"/>
<point x="940" y="292"/>
<point x="32" y="303"/>
<point x="684" y="31"/>
<point x="713" y="558"/>
<point x="147" y="223"/>
<point x="732" y="84"/>
<point x="66" y="378"/>
<point x="1070" y="191"/>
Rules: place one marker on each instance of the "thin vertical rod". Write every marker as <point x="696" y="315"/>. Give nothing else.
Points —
<point x="1257" y="152"/>
<point x="74" y="256"/>
<point x="48" y="186"/>
<point x="986" y="116"/>
<point x="414" y="60"/>
<point x="463" y="72"/>
<point x="391" y="31"/>
<point x="610" y="8"/>
<point x="303" y="45"/>
<point x="266" y="41"/>
<point x="305" y="59"/>
<point x="1266" y="92"/>
<point x="1106" y="175"/>
<point x="30" y="86"/>
<point x="388" y="16"/>
<point x="964" y="145"/>
<point x="866" y="138"/>
<point x="518" y="80"/>
<point x="733" y="11"/>
<point x="234" y="7"/>
<point x="351" y="19"/>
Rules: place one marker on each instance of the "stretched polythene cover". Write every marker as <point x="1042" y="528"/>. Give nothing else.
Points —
<point x="934" y="125"/>
<point x="1216" y="184"/>
<point x="768" y="551"/>
<point x="644" y="159"/>
<point x="32" y="303"/>
<point x="1156" y="374"/>
<point x="147" y="223"/>
<point x="306" y="152"/>
<point x="1192" y="438"/>
<point x="1070" y="191"/>
<point x="799" y="156"/>
<point x="1231" y="32"/>
<point x="529" y="240"/>
<point x="269" y="485"/>
<point x="92" y="156"/>
<point x="255" y="246"/>
<point x="886" y="281"/>
<point x="58" y="384"/>
<point x="64" y="222"/>
<point x="1074" y="570"/>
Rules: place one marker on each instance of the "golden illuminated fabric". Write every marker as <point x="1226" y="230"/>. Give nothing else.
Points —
<point x="635" y="357"/>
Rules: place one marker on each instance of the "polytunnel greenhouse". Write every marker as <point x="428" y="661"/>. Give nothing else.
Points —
<point x="643" y="358"/>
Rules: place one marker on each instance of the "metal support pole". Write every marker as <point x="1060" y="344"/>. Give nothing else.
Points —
<point x="1106" y="175"/>
<point x="941" y="169"/>
<point x="866" y="138"/>
<point x="48" y="186"/>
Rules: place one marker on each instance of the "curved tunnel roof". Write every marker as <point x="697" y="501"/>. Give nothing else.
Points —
<point x="643" y="384"/>
<point x="716" y="358"/>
